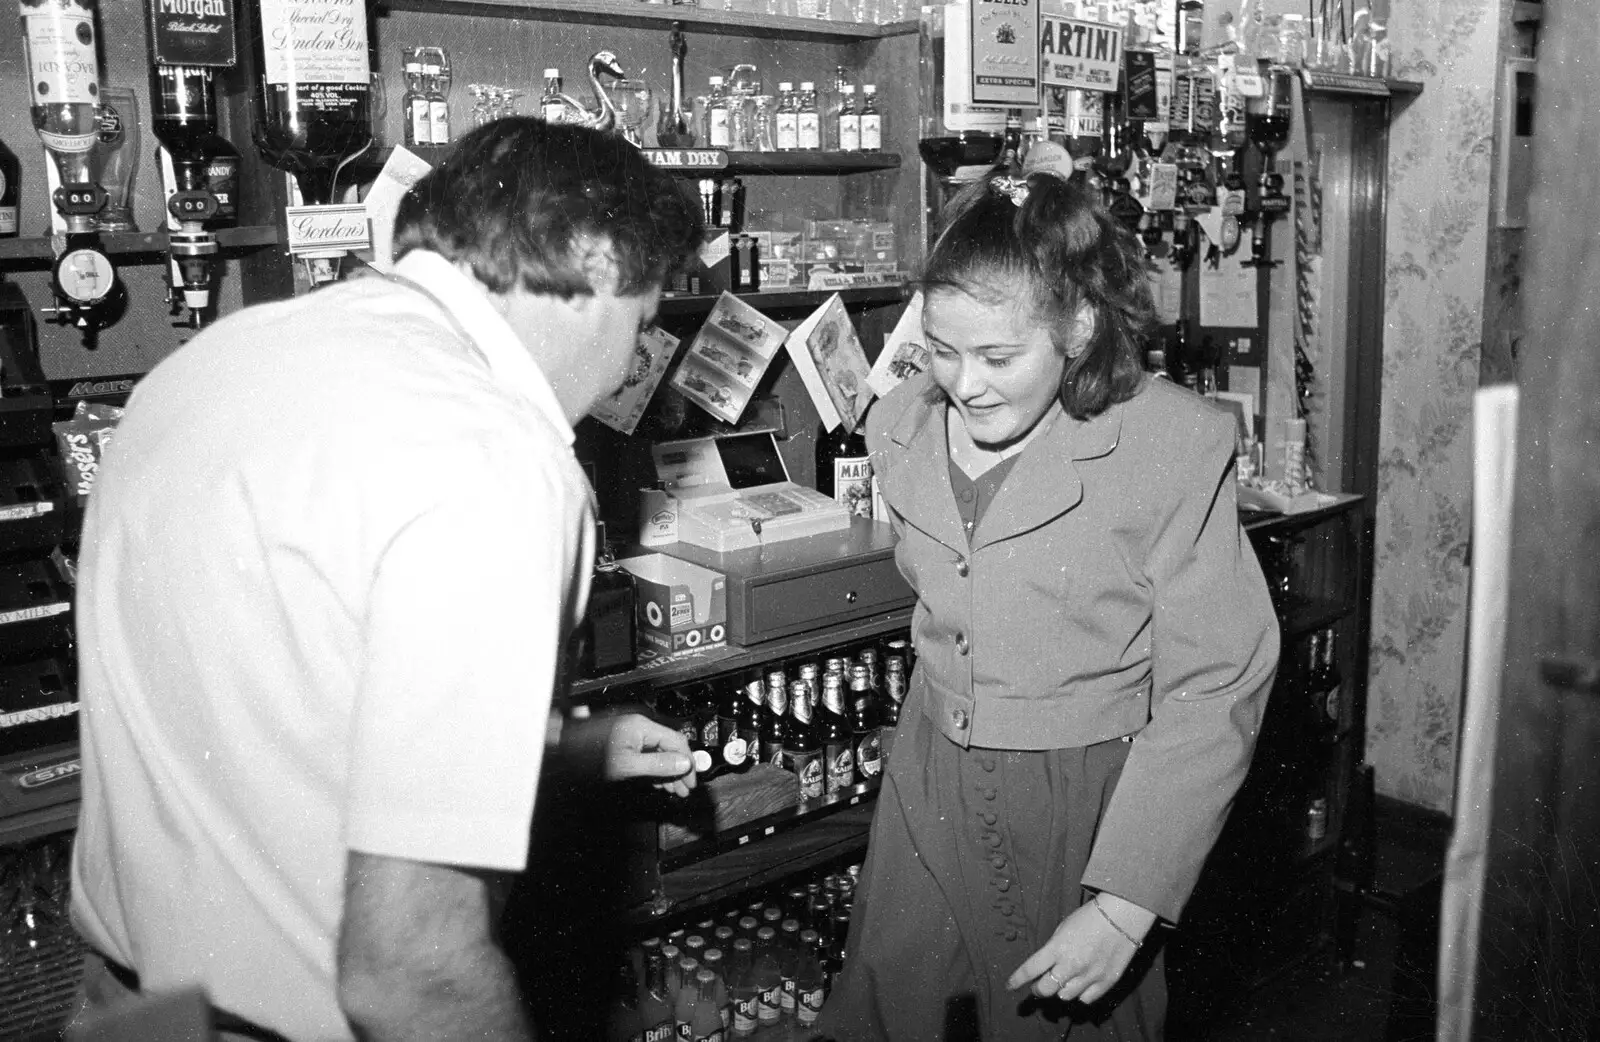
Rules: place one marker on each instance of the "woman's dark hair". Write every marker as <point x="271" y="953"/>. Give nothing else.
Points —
<point x="1063" y="247"/>
<point x="516" y="197"/>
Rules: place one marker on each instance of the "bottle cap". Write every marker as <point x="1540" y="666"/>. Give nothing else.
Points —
<point x="702" y="761"/>
<point x="704" y="976"/>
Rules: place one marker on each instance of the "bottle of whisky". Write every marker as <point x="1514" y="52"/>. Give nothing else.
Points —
<point x="808" y="121"/>
<point x="871" y="119"/>
<point x="787" y="118"/>
<point x="717" y="128"/>
<point x="849" y="120"/>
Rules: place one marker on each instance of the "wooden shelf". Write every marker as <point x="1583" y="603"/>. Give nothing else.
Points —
<point x="768" y="825"/>
<point x="128" y="244"/>
<point x="651" y="15"/>
<point x="756" y="865"/>
<point x="695" y="162"/>
<point x="731" y="657"/>
<point x="780" y="299"/>
<point x="1318" y="81"/>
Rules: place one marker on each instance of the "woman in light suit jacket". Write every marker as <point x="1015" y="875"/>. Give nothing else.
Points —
<point x="1094" y="640"/>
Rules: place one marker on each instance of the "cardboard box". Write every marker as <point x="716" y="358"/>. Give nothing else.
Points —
<point x="683" y="607"/>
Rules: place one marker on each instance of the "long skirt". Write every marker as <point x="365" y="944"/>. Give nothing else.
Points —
<point x="974" y="858"/>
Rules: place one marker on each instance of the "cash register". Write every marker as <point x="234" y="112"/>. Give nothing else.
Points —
<point x="732" y="492"/>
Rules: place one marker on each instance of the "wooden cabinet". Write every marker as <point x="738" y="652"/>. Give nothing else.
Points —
<point x="1267" y="897"/>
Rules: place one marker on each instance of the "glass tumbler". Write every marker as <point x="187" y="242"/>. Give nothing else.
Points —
<point x="116" y="158"/>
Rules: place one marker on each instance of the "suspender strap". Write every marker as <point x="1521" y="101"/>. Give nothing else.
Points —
<point x="221" y="1019"/>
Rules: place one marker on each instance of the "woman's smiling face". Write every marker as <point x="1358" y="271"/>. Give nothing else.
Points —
<point x="996" y="362"/>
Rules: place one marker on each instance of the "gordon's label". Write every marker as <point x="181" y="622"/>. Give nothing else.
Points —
<point x="315" y="41"/>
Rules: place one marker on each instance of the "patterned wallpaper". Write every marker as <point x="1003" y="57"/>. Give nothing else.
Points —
<point x="1439" y="170"/>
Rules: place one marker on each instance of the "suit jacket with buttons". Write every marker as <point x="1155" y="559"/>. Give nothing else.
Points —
<point x="1108" y="590"/>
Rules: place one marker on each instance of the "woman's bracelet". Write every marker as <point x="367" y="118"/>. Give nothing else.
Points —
<point x="1113" y="923"/>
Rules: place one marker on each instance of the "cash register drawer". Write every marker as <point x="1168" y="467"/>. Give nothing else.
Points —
<point x="799" y="585"/>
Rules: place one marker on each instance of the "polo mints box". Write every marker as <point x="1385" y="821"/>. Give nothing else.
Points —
<point x="682" y="607"/>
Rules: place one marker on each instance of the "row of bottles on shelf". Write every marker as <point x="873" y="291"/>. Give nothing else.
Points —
<point x="426" y="102"/>
<point x="757" y="967"/>
<point x="829" y="722"/>
<point x="736" y="113"/>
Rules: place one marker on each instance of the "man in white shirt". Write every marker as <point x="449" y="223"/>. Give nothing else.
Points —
<point x="326" y="575"/>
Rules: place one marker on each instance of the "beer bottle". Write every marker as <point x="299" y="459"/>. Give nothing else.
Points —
<point x="768" y="978"/>
<point x="789" y="963"/>
<point x="894" y="693"/>
<point x="655" y="1002"/>
<point x="705" y="1018"/>
<point x="868" y="656"/>
<point x="808" y="672"/>
<point x="802" y="752"/>
<point x="865" y="740"/>
<point x="774" y="718"/>
<point x="810" y="981"/>
<point x="703" y="710"/>
<point x="684" y="1004"/>
<point x="902" y="647"/>
<point x="743" y="991"/>
<point x="672" y="705"/>
<point x="1332" y="683"/>
<point x="715" y="963"/>
<point x="623" y="1019"/>
<point x="833" y="731"/>
<point x="737" y="725"/>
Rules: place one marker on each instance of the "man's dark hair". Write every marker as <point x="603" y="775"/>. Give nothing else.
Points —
<point x="517" y="196"/>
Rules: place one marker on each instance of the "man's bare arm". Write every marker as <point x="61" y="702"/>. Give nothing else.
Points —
<point x="416" y="959"/>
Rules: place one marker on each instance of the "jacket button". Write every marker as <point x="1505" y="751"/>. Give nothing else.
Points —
<point x="990" y="794"/>
<point x="959" y="718"/>
<point x="962" y="567"/>
<point x="988" y="817"/>
<point x="961" y="643"/>
<point x="998" y="861"/>
<point x="1011" y="933"/>
<point x="993" y="839"/>
<point x="1002" y="884"/>
<point x="987" y="765"/>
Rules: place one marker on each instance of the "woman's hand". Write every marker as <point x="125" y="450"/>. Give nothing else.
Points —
<point x="1087" y="955"/>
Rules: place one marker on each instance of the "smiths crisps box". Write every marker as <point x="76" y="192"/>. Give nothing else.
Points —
<point x="683" y="607"/>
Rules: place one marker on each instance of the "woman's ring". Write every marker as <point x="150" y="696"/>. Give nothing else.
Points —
<point x="1052" y="975"/>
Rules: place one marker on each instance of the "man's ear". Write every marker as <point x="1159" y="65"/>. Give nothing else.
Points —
<point x="598" y="262"/>
<point x="1082" y="331"/>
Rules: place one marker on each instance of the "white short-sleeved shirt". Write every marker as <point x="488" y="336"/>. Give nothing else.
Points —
<point x="326" y="573"/>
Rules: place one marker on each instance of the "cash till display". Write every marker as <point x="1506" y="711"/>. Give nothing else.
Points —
<point x="734" y="493"/>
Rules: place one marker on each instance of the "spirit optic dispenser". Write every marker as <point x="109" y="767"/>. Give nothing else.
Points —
<point x="64" y="83"/>
<point x="189" y="39"/>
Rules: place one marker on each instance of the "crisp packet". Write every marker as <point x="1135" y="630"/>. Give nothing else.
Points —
<point x="82" y="441"/>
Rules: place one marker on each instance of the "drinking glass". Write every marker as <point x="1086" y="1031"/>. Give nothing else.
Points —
<point x="116" y="158"/>
<point x="633" y="100"/>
